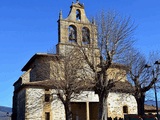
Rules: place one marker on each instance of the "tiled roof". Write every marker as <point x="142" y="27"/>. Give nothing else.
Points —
<point x="123" y="86"/>
<point x="149" y="107"/>
<point x="42" y="84"/>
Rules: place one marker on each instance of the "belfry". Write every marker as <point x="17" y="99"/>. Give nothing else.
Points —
<point x="75" y="29"/>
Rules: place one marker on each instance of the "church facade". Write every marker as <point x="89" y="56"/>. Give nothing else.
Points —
<point x="33" y="101"/>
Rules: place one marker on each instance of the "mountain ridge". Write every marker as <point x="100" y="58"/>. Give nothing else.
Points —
<point x="5" y="113"/>
<point x="152" y="103"/>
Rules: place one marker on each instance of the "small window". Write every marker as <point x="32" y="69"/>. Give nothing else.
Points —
<point x="46" y="89"/>
<point x="78" y="15"/>
<point x="85" y="35"/>
<point x="47" y="116"/>
<point x="125" y="109"/>
<point x="72" y="33"/>
<point x="47" y="97"/>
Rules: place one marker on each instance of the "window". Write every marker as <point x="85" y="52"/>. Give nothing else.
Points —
<point x="47" y="116"/>
<point x="72" y="33"/>
<point x="125" y="109"/>
<point x="47" y="97"/>
<point x="78" y="15"/>
<point x="46" y="89"/>
<point x="85" y="35"/>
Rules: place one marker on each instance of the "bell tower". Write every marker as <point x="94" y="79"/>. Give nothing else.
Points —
<point x="76" y="29"/>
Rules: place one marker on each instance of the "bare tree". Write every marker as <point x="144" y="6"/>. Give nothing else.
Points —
<point x="70" y="77"/>
<point x="114" y="40"/>
<point x="141" y="76"/>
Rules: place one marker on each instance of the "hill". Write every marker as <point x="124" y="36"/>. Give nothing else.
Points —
<point x="5" y="113"/>
<point x="152" y="103"/>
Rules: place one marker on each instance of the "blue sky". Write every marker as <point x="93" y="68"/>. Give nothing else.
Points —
<point x="30" y="26"/>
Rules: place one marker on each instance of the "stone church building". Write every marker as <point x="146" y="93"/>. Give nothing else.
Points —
<point x="32" y="101"/>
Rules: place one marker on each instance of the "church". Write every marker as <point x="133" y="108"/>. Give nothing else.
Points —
<point x="33" y="101"/>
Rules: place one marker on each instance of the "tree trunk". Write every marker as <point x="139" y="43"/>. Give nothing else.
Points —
<point x="102" y="113"/>
<point x="68" y="112"/>
<point x="140" y="104"/>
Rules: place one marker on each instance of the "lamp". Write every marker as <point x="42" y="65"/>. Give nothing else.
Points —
<point x="157" y="62"/>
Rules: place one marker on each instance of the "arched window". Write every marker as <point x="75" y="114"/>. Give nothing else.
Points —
<point x="85" y="35"/>
<point x="125" y="109"/>
<point x="78" y="15"/>
<point x="72" y="33"/>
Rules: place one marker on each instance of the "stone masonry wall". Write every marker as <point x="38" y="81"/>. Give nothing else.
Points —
<point x="41" y="70"/>
<point x="34" y="104"/>
<point x="116" y="101"/>
<point x="58" y="112"/>
<point x="21" y="105"/>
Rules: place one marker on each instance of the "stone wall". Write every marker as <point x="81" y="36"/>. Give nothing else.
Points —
<point x="31" y="104"/>
<point x="34" y="104"/>
<point x="26" y="76"/>
<point x="117" y="74"/>
<point x="36" y="107"/>
<point x="58" y="112"/>
<point x="42" y="69"/>
<point x="116" y="101"/>
<point x="21" y="99"/>
<point x="23" y="79"/>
